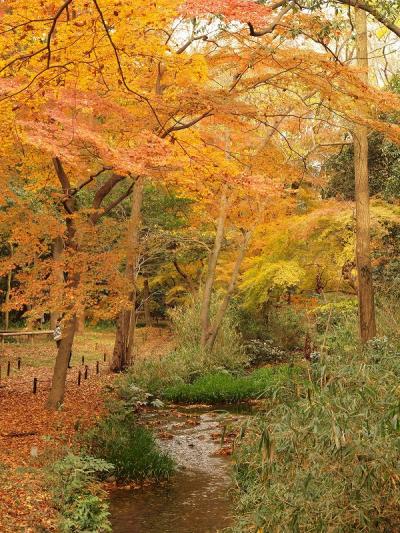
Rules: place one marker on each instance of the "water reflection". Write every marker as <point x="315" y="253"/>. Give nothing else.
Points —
<point x="196" y="500"/>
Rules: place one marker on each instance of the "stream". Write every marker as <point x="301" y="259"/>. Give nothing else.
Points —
<point x="197" y="498"/>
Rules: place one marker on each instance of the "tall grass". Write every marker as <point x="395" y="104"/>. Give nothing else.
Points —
<point x="129" y="447"/>
<point x="189" y="360"/>
<point x="328" y="458"/>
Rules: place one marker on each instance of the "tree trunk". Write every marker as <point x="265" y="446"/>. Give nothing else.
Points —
<point x="146" y="303"/>
<point x="80" y="323"/>
<point x="119" y="359"/>
<point x="126" y="322"/>
<point x="212" y="265"/>
<point x="212" y="336"/>
<point x="58" y="248"/>
<point x="8" y="292"/>
<point x="363" y="256"/>
<point x="56" y="396"/>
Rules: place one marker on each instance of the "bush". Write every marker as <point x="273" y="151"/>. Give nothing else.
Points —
<point x="337" y="326"/>
<point x="263" y="352"/>
<point x="132" y="449"/>
<point x="220" y="387"/>
<point x="189" y="361"/>
<point x="286" y="327"/>
<point x="328" y="461"/>
<point x="77" y="494"/>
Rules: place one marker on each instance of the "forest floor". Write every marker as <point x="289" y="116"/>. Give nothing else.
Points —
<point x="31" y="436"/>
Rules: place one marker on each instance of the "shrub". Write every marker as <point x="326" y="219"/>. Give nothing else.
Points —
<point x="337" y="326"/>
<point x="132" y="449"/>
<point x="263" y="352"/>
<point x="286" y="327"/>
<point x="189" y="361"/>
<point x="77" y="494"/>
<point x="328" y="461"/>
<point x="220" y="387"/>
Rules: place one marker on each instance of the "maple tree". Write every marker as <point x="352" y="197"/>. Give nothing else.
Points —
<point x="69" y="90"/>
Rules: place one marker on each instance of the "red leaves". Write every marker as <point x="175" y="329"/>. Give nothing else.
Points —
<point x="241" y="10"/>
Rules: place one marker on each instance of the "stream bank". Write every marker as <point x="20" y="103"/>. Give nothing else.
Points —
<point x="197" y="498"/>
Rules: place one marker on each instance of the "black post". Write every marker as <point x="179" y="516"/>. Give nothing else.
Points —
<point x="35" y="384"/>
<point x="105" y="357"/>
<point x="97" y="367"/>
<point x="83" y="359"/>
<point x="86" y="372"/>
<point x="19" y="363"/>
<point x="79" y="377"/>
<point x="8" y="368"/>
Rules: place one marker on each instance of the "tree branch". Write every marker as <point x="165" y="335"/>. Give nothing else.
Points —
<point x="106" y="189"/>
<point x="113" y="204"/>
<point x="274" y="23"/>
<point x="179" y="127"/>
<point x="374" y="12"/>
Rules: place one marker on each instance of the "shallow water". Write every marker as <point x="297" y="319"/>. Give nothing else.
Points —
<point x="196" y="499"/>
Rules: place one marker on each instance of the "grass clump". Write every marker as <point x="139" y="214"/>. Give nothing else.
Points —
<point x="189" y="361"/>
<point x="328" y="461"/>
<point x="78" y="495"/>
<point x="221" y="387"/>
<point x="130" y="448"/>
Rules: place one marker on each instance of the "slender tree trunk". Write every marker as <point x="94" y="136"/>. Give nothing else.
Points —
<point x="228" y="295"/>
<point x="126" y="321"/>
<point x="146" y="303"/>
<point x="212" y="265"/>
<point x="8" y="293"/>
<point x="58" y="248"/>
<point x="363" y="255"/>
<point x="132" y="328"/>
<point x="56" y="396"/>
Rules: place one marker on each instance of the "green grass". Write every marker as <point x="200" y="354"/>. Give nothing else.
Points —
<point x="130" y="448"/>
<point x="222" y="387"/>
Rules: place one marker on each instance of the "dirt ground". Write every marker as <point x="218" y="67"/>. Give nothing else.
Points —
<point x="30" y="436"/>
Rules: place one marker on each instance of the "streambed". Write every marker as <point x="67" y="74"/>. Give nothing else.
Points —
<point x="197" y="498"/>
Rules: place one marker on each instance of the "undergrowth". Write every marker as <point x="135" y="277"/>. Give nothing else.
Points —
<point x="327" y="458"/>
<point x="220" y="387"/>
<point x="129" y="447"/>
<point x="189" y="361"/>
<point x="77" y="493"/>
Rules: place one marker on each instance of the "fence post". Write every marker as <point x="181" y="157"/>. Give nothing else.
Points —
<point x="83" y="359"/>
<point x="8" y="368"/>
<point x="19" y="363"/>
<point x="35" y="384"/>
<point x="79" y="377"/>
<point x="86" y="372"/>
<point x="97" y="367"/>
<point x="105" y="357"/>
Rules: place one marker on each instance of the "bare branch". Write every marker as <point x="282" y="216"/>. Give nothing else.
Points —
<point x="89" y="180"/>
<point x="179" y="127"/>
<point x="274" y="23"/>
